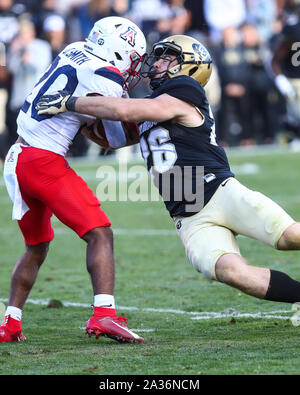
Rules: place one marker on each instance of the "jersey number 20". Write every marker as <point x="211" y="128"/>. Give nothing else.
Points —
<point x="64" y="78"/>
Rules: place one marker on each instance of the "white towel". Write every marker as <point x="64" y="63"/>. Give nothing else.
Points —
<point x="11" y="181"/>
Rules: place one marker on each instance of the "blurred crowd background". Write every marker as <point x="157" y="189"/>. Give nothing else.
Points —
<point x="241" y="36"/>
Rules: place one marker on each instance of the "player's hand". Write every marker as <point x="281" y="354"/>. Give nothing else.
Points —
<point x="54" y="103"/>
<point x="285" y="87"/>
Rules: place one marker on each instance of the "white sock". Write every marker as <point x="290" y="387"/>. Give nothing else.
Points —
<point x="14" y="312"/>
<point x="104" y="300"/>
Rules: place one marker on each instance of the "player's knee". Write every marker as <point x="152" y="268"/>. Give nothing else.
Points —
<point x="229" y="268"/>
<point x="38" y="252"/>
<point x="101" y="234"/>
<point x="290" y="239"/>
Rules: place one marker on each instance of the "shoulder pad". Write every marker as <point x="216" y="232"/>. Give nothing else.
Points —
<point x="182" y="87"/>
<point x="111" y="73"/>
<point x="181" y="82"/>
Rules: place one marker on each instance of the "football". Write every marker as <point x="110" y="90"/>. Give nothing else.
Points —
<point x="96" y="133"/>
<point x="131" y="131"/>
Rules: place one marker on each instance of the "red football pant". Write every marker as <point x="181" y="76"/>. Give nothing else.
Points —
<point x="49" y="186"/>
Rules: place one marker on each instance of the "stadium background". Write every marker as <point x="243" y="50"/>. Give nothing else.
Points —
<point x="240" y="34"/>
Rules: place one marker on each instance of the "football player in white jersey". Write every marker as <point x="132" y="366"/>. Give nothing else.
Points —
<point x="41" y="183"/>
<point x="177" y="129"/>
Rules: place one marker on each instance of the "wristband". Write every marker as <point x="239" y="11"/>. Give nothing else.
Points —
<point x="70" y="104"/>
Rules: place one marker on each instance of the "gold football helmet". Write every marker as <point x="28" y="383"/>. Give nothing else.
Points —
<point x="193" y="60"/>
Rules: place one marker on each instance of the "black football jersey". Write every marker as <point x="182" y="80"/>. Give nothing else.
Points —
<point x="291" y="32"/>
<point x="186" y="163"/>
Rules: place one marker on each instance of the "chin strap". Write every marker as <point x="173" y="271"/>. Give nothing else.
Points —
<point x="156" y="82"/>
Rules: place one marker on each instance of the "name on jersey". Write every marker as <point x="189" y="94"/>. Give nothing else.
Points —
<point x="143" y="127"/>
<point x="76" y="56"/>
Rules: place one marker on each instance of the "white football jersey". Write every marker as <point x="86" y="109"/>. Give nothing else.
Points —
<point x="75" y="71"/>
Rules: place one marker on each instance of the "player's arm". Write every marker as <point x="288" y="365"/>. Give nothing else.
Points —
<point x="280" y="52"/>
<point x="281" y="81"/>
<point x="159" y="109"/>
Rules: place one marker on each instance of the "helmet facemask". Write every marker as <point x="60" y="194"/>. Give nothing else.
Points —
<point x="132" y="75"/>
<point x="161" y="51"/>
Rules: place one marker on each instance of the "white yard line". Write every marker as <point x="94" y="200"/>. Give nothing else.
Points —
<point x="195" y="315"/>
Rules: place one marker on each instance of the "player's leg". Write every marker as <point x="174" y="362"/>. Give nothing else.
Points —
<point x="254" y="215"/>
<point x="256" y="281"/>
<point x="290" y="239"/>
<point x="75" y="204"/>
<point x="213" y="249"/>
<point x="37" y="232"/>
<point x="23" y="278"/>
<point x="234" y="270"/>
<point x="100" y="259"/>
<point x="100" y="265"/>
<point x="205" y="243"/>
<point x="25" y="273"/>
<point x="48" y="177"/>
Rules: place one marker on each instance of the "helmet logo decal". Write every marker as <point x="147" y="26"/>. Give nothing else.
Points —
<point x="201" y="51"/>
<point x="129" y="36"/>
<point x="94" y="37"/>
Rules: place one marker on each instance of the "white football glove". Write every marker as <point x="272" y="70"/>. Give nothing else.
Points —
<point x="285" y="87"/>
<point x="55" y="103"/>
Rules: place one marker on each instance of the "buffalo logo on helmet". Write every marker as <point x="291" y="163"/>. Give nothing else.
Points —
<point x="201" y="51"/>
<point x="129" y="36"/>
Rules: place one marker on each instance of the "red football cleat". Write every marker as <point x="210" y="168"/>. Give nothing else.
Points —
<point x="114" y="327"/>
<point x="10" y="330"/>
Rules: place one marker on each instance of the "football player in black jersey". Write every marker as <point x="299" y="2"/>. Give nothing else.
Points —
<point x="285" y="64"/>
<point x="177" y="136"/>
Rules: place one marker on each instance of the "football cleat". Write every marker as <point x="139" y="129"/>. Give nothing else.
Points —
<point x="114" y="327"/>
<point x="10" y="330"/>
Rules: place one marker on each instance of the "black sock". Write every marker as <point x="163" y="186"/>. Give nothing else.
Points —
<point x="283" y="288"/>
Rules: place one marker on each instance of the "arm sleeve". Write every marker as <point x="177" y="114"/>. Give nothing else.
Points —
<point x="107" y="82"/>
<point x="114" y="133"/>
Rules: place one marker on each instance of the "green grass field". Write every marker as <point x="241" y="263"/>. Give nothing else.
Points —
<point x="192" y="326"/>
